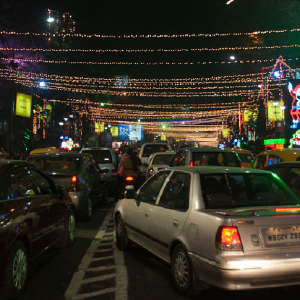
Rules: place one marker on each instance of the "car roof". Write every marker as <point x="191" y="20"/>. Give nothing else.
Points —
<point x="286" y="150"/>
<point x="217" y="170"/>
<point x="206" y="149"/>
<point x="96" y="148"/>
<point x="72" y="154"/>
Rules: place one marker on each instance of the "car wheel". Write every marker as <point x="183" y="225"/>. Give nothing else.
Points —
<point x="182" y="271"/>
<point x="16" y="270"/>
<point x="121" y="234"/>
<point x="68" y="234"/>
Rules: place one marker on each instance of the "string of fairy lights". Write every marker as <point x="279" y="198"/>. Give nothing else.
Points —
<point x="151" y="50"/>
<point x="149" y="36"/>
<point x="147" y="63"/>
<point x="245" y="87"/>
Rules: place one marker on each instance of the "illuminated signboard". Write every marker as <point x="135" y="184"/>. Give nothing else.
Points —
<point x="23" y="105"/>
<point x="274" y="142"/>
<point x="295" y="105"/>
<point x="295" y="140"/>
<point x="275" y="113"/>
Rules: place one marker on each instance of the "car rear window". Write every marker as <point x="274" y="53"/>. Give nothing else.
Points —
<point x="216" y="159"/>
<point x="57" y="164"/>
<point x="247" y="158"/>
<point x="101" y="156"/>
<point x="149" y="149"/>
<point x="162" y="159"/>
<point x="245" y="190"/>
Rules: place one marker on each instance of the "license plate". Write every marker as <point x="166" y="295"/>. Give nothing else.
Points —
<point x="282" y="235"/>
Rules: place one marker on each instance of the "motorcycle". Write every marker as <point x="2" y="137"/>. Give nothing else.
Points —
<point x="127" y="183"/>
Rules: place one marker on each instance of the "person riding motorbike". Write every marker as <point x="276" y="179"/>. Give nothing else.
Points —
<point x="130" y="164"/>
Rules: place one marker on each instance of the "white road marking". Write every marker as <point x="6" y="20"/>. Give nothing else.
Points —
<point x="102" y="238"/>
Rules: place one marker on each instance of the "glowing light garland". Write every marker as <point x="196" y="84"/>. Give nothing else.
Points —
<point x="149" y="36"/>
<point x="159" y="63"/>
<point x="151" y="50"/>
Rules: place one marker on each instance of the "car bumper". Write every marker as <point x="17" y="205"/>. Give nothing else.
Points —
<point x="248" y="274"/>
<point x="79" y="199"/>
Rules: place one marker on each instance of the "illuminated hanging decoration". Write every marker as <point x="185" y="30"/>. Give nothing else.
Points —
<point x="295" y="106"/>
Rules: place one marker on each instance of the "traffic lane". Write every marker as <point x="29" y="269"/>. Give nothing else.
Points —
<point x="150" y="278"/>
<point x="50" y="274"/>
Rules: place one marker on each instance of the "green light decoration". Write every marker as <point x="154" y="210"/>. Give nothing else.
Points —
<point x="295" y="140"/>
<point x="274" y="142"/>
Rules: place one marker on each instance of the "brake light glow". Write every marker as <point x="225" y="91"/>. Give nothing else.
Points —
<point x="75" y="184"/>
<point x="242" y="166"/>
<point x="287" y="209"/>
<point x="191" y="163"/>
<point x="129" y="178"/>
<point x="228" y="239"/>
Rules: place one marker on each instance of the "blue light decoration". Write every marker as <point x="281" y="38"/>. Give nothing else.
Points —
<point x="277" y="74"/>
<point x="236" y="143"/>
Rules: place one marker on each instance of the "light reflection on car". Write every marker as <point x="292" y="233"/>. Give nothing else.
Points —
<point x="228" y="227"/>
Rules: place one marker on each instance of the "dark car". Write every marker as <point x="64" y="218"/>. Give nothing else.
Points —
<point x="289" y="172"/>
<point x="205" y="156"/>
<point x="79" y="174"/>
<point x="35" y="214"/>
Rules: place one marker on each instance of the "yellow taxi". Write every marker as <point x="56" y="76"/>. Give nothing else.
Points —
<point x="271" y="157"/>
<point x="46" y="150"/>
<point x="246" y="156"/>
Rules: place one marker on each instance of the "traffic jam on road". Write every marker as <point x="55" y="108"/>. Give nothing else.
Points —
<point x="149" y="150"/>
<point x="252" y="240"/>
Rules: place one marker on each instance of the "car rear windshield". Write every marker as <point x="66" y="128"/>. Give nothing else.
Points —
<point x="57" y="164"/>
<point x="149" y="149"/>
<point x="247" y="158"/>
<point x="101" y="156"/>
<point x="245" y="190"/>
<point x="216" y="159"/>
<point x="162" y="159"/>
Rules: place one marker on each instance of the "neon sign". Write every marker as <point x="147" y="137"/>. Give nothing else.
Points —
<point x="295" y="107"/>
<point x="295" y="140"/>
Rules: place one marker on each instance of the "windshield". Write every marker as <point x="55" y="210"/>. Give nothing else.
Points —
<point x="244" y="190"/>
<point x="149" y="149"/>
<point x="101" y="157"/>
<point x="215" y="159"/>
<point x="247" y="158"/>
<point x="162" y="159"/>
<point x="57" y="164"/>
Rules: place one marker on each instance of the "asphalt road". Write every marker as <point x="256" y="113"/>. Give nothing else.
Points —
<point x="93" y="269"/>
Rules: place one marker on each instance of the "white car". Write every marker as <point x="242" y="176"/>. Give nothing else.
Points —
<point x="228" y="227"/>
<point x="158" y="161"/>
<point x="146" y="150"/>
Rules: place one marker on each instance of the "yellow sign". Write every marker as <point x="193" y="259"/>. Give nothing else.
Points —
<point x="274" y="111"/>
<point x="114" y="131"/>
<point x="250" y="116"/>
<point x="163" y="137"/>
<point x="23" y="105"/>
<point x="102" y="127"/>
<point x="225" y="133"/>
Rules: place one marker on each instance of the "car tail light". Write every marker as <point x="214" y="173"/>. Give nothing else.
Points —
<point x="129" y="178"/>
<point x="113" y="173"/>
<point x="228" y="239"/>
<point x="151" y="172"/>
<point x="75" y="184"/>
<point x="191" y="163"/>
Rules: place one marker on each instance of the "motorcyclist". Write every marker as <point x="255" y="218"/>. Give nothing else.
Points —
<point x="130" y="164"/>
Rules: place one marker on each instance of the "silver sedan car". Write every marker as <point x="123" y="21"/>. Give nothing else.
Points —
<point x="227" y="227"/>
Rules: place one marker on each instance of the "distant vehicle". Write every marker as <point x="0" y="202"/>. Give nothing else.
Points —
<point x="228" y="227"/>
<point x="46" y="150"/>
<point x="289" y="172"/>
<point x="107" y="162"/>
<point x="146" y="150"/>
<point x="271" y="157"/>
<point x="246" y="156"/>
<point x="35" y="215"/>
<point x="79" y="174"/>
<point x="158" y="161"/>
<point x="205" y="156"/>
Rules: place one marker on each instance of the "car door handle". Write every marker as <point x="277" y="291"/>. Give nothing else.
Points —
<point x="147" y="215"/>
<point x="176" y="223"/>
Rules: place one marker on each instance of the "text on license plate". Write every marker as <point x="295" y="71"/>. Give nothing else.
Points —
<point x="283" y="235"/>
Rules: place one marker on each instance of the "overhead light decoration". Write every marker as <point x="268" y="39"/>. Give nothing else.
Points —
<point x="277" y="74"/>
<point x="229" y="2"/>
